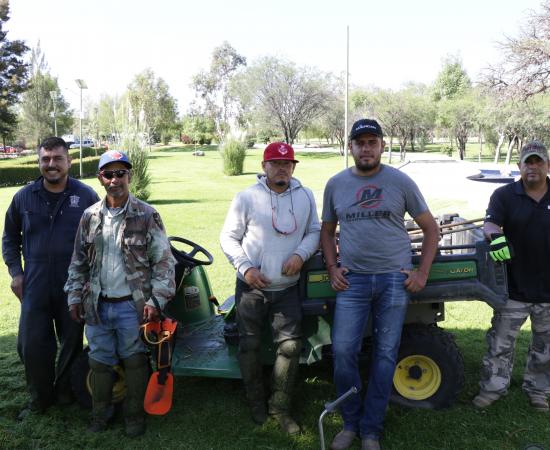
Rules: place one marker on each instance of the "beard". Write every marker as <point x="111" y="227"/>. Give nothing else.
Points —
<point x="281" y="183"/>
<point x="366" y="167"/>
<point x="50" y="174"/>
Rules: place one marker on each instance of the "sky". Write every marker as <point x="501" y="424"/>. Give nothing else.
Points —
<point x="391" y="42"/>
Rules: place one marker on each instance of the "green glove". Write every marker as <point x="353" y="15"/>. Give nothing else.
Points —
<point x="500" y="250"/>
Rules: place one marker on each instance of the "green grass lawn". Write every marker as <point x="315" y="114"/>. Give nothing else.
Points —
<point x="193" y="196"/>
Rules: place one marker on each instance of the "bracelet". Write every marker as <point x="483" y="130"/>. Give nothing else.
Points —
<point x="331" y="265"/>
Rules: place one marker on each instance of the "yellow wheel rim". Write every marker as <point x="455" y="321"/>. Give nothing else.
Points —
<point x="119" y="386"/>
<point x="417" y="377"/>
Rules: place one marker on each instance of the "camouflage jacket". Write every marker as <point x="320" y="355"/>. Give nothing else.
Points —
<point x="146" y="252"/>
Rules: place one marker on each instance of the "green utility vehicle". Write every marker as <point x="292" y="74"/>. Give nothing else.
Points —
<point x="430" y="369"/>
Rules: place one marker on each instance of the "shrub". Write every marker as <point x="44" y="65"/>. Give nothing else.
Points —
<point x="25" y="172"/>
<point x="447" y="150"/>
<point x="185" y="139"/>
<point x="233" y="153"/>
<point x="87" y="152"/>
<point x="139" y="186"/>
<point x="250" y="140"/>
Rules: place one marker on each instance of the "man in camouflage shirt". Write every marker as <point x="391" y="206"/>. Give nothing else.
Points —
<point x="121" y="262"/>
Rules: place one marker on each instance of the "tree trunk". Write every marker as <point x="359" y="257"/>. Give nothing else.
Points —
<point x="499" y="146"/>
<point x="480" y="145"/>
<point x="412" y="141"/>
<point x="462" y="148"/>
<point x="509" y="151"/>
<point x="402" y="148"/>
<point x="391" y="145"/>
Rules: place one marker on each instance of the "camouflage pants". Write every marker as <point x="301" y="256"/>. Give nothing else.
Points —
<point x="497" y="364"/>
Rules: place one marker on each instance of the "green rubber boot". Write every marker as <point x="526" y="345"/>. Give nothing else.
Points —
<point x="137" y="376"/>
<point x="251" y="371"/>
<point x="101" y="383"/>
<point x="283" y="379"/>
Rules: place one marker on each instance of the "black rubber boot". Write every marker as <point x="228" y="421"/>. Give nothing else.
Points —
<point x="101" y="381"/>
<point x="137" y="376"/>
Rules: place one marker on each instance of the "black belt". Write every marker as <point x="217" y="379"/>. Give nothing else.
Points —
<point x="102" y="298"/>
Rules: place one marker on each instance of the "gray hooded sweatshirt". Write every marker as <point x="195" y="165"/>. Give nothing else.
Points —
<point x="249" y="237"/>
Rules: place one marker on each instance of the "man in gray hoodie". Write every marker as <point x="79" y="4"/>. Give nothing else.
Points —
<point x="271" y="229"/>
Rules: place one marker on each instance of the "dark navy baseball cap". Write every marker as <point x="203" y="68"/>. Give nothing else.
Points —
<point x="114" y="156"/>
<point x="366" y="126"/>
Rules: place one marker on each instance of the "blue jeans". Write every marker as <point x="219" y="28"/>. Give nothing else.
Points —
<point x="116" y="337"/>
<point x="385" y="297"/>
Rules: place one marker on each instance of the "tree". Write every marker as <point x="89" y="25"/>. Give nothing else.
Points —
<point x="460" y="114"/>
<point x="36" y="108"/>
<point x="525" y="67"/>
<point x="282" y="95"/>
<point x="152" y="108"/>
<point x="13" y="75"/>
<point x="452" y="81"/>
<point x="199" y="127"/>
<point x="213" y="86"/>
<point x="112" y="118"/>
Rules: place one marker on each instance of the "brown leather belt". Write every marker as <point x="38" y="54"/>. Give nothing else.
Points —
<point x="102" y="298"/>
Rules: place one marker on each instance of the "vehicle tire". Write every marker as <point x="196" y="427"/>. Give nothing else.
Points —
<point x="430" y="368"/>
<point x="80" y="381"/>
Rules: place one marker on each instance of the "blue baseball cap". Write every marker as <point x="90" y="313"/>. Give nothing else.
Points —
<point x="114" y="156"/>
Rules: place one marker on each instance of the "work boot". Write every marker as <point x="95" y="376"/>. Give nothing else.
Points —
<point x="343" y="440"/>
<point x="32" y="407"/>
<point x="64" y="398"/>
<point x="287" y="423"/>
<point x="539" y="404"/>
<point x="137" y="376"/>
<point x="370" y="444"/>
<point x="251" y="371"/>
<point x="284" y="375"/>
<point x="485" y="399"/>
<point x="258" y="411"/>
<point x="101" y="382"/>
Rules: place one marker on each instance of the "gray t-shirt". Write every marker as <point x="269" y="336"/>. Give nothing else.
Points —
<point x="371" y="212"/>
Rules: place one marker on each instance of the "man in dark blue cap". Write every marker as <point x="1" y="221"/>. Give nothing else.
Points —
<point x="121" y="262"/>
<point x="374" y="274"/>
<point x="40" y="226"/>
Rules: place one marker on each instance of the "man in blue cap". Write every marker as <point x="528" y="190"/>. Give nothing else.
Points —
<point x="121" y="264"/>
<point x="40" y="227"/>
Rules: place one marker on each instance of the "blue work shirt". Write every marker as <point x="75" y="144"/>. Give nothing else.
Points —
<point x="42" y="235"/>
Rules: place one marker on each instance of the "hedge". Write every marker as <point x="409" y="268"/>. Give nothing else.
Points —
<point x="23" y="173"/>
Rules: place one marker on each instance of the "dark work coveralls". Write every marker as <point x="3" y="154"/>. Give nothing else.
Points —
<point x="44" y="233"/>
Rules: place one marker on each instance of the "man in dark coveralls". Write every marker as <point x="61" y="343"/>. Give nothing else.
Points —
<point x="40" y="226"/>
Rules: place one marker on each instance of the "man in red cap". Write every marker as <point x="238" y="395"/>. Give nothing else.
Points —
<point x="271" y="229"/>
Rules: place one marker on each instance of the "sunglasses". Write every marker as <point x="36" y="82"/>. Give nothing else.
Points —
<point x="274" y="218"/>
<point x="109" y="174"/>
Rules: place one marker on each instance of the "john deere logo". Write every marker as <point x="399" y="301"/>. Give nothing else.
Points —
<point x="368" y="196"/>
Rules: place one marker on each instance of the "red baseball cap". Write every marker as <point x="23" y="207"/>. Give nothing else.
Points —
<point x="279" y="151"/>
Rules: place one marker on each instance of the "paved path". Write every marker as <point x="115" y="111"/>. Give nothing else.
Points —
<point x="441" y="177"/>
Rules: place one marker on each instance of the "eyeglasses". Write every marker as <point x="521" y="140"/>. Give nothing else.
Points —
<point x="109" y="174"/>
<point x="273" y="216"/>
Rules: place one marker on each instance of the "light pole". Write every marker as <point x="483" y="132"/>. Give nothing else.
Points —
<point x="82" y="85"/>
<point x="53" y="95"/>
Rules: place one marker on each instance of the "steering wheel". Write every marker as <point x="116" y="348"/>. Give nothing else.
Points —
<point x="190" y="256"/>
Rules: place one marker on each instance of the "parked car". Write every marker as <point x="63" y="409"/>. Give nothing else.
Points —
<point x="85" y="143"/>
